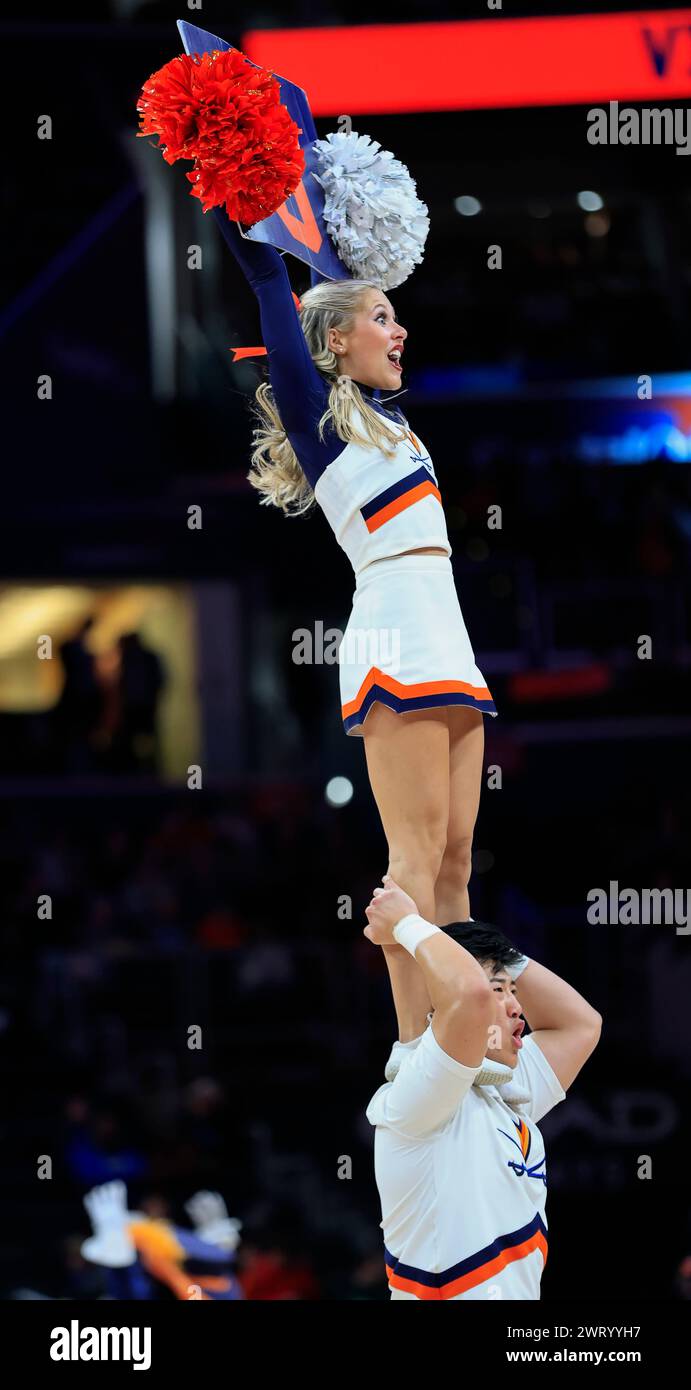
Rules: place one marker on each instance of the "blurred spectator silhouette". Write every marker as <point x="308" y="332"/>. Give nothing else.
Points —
<point x="77" y="713"/>
<point x="97" y="1148"/>
<point x="142" y="677"/>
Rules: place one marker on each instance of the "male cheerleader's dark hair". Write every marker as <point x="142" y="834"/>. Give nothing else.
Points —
<point x="484" y="942"/>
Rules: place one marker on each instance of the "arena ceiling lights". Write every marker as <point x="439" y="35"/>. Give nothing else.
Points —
<point x="496" y="62"/>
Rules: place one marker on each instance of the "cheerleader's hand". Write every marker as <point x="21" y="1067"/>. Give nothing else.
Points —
<point x="388" y="906"/>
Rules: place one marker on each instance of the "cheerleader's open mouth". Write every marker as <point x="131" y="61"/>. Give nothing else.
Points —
<point x="395" y="359"/>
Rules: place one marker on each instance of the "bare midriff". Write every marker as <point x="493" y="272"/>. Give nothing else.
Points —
<point x="423" y="550"/>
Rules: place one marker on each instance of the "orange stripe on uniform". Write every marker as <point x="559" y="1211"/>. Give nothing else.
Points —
<point x="399" y="504"/>
<point x="412" y="692"/>
<point x="475" y="1277"/>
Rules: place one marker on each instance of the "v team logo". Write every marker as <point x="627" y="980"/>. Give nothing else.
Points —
<point x="523" y="1140"/>
<point x="418" y="455"/>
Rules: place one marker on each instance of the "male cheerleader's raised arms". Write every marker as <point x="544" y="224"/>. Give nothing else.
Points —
<point x="409" y="683"/>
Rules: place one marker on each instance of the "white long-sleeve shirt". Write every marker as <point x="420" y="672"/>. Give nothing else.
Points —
<point x="461" y="1175"/>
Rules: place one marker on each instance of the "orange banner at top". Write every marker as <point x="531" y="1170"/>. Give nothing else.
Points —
<point x="583" y="59"/>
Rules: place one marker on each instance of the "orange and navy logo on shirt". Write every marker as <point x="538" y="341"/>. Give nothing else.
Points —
<point x="523" y="1140"/>
<point x="417" y="453"/>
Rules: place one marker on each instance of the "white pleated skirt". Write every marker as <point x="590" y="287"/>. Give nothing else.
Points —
<point x="406" y="644"/>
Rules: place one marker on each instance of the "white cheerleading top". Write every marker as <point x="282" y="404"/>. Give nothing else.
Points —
<point x="377" y="506"/>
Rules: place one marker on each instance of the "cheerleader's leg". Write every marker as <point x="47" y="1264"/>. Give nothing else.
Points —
<point x="466" y="759"/>
<point x="408" y="766"/>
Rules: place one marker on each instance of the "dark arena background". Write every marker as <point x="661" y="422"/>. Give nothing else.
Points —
<point x="197" y="1008"/>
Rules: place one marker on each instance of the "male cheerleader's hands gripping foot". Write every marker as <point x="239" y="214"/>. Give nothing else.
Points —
<point x="430" y="971"/>
<point x="388" y="906"/>
<point x="434" y="971"/>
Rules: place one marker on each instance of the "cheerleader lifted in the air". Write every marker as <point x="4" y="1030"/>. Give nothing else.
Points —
<point x="325" y="438"/>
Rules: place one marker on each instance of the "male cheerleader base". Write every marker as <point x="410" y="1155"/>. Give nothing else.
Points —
<point x="459" y="1159"/>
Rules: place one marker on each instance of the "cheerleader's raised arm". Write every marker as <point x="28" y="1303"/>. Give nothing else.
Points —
<point x="300" y="391"/>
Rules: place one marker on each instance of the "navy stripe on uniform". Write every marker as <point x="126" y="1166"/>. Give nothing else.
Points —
<point x="394" y="702"/>
<point x="421" y="475"/>
<point x="483" y="1257"/>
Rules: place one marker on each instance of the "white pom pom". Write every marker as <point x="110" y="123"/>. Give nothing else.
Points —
<point x="371" y="209"/>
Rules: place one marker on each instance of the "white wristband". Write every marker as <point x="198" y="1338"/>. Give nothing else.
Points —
<point x="411" y="930"/>
<point x="518" y="967"/>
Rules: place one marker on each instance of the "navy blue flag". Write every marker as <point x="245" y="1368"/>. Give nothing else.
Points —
<point x="297" y="226"/>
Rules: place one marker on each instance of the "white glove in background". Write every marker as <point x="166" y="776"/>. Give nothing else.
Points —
<point x="110" y="1244"/>
<point x="211" y="1220"/>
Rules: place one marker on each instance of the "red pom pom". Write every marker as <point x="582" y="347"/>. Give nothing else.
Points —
<point x="226" y="115"/>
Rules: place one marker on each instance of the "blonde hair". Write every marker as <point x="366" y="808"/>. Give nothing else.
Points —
<point x="275" y="469"/>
